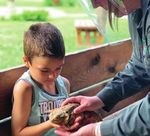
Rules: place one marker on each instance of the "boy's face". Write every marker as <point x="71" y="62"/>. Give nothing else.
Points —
<point x="45" y="69"/>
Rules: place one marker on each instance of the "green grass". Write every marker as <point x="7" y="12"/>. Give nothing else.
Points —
<point x="40" y="3"/>
<point x="11" y="35"/>
<point x="118" y="34"/>
<point x="36" y="3"/>
<point x="11" y="43"/>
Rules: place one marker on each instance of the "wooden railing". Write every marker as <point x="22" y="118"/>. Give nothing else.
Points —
<point x="88" y="72"/>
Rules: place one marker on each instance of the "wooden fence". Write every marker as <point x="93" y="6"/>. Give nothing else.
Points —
<point x="88" y="72"/>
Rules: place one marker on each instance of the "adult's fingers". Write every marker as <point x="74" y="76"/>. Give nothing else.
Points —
<point x="62" y="132"/>
<point x="81" y="108"/>
<point x="75" y="126"/>
<point x="70" y="100"/>
<point x="79" y="118"/>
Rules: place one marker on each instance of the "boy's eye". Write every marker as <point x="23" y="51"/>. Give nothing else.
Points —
<point x="44" y="70"/>
<point x="49" y="71"/>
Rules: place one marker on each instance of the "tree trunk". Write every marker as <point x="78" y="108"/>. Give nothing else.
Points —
<point x="11" y="7"/>
<point x="56" y="2"/>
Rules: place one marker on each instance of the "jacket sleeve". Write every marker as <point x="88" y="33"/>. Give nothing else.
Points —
<point x="124" y="123"/>
<point x="126" y="83"/>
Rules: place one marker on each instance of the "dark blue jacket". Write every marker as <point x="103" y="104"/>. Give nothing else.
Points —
<point x="135" y="119"/>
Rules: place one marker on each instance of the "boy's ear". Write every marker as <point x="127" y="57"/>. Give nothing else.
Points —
<point x="26" y="61"/>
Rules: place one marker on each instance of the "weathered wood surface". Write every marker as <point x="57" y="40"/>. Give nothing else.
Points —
<point x="96" y="64"/>
<point x="83" y="69"/>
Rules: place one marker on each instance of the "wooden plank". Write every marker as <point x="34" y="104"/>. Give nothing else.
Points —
<point x="96" y="64"/>
<point x="88" y="91"/>
<point x="5" y="129"/>
<point x="7" y="81"/>
<point x="83" y="69"/>
<point x="88" y="68"/>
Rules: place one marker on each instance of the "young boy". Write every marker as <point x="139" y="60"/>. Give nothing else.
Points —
<point x="41" y="88"/>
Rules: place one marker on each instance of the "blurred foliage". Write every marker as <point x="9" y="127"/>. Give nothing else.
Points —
<point x="34" y="3"/>
<point x="61" y="2"/>
<point x="40" y="3"/>
<point x="35" y="15"/>
<point x="11" y="32"/>
<point x="11" y="35"/>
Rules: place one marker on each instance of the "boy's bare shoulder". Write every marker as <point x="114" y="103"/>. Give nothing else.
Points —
<point x="22" y="86"/>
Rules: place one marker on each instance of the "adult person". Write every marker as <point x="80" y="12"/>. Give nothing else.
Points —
<point x="134" y="120"/>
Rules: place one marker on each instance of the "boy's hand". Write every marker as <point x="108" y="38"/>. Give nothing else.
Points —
<point x="53" y="125"/>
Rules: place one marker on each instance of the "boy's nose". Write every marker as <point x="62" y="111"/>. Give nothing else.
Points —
<point x="52" y="76"/>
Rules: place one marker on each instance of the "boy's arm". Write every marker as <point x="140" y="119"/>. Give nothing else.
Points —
<point x="21" y="111"/>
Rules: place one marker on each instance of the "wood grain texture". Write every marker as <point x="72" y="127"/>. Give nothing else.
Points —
<point x="83" y="69"/>
<point x="96" y="64"/>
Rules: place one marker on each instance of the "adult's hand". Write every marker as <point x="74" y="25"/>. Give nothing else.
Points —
<point x="86" y="103"/>
<point x="88" y="130"/>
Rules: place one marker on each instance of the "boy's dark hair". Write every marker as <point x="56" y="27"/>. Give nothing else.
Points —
<point x="43" y="39"/>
